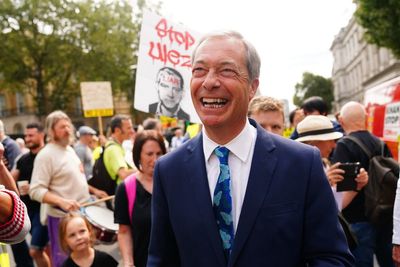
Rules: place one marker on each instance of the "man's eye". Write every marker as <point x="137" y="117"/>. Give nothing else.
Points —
<point x="163" y="85"/>
<point x="198" y="72"/>
<point x="228" y="72"/>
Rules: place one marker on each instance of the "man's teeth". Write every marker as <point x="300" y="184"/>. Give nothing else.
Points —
<point x="214" y="102"/>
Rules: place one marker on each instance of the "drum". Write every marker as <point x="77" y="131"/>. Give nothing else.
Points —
<point x="102" y="221"/>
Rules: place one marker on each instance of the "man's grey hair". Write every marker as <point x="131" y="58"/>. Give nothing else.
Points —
<point x="52" y="120"/>
<point x="253" y="61"/>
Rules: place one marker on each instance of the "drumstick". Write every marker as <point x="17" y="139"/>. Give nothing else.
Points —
<point x="97" y="201"/>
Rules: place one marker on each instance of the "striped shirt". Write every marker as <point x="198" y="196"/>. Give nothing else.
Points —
<point x="15" y="230"/>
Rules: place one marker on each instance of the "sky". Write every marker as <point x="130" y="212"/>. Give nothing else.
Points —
<point x="291" y="36"/>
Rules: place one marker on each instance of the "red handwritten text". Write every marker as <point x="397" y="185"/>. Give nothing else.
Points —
<point x="170" y="79"/>
<point x="174" y="36"/>
<point x="160" y="52"/>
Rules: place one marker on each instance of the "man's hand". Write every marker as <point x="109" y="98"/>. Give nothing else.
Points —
<point x="69" y="205"/>
<point x="97" y="192"/>
<point x="334" y="174"/>
<point x="396" y="255"/>
<point x="362" y="179"/>
<point x="100" y="193"/>
<point x="23" y="187"/>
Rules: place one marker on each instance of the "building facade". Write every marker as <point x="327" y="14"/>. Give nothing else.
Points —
<point x="17" y="110"/>
<point x="358" y="66"/>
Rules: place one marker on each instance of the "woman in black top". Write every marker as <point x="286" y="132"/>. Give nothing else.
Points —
<point x="134" y="233"/>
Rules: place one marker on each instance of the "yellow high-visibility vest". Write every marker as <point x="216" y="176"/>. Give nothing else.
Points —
<point x="4" y="258"/>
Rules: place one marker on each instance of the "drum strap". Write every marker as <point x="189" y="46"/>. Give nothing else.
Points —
<point x="130" y="188"/>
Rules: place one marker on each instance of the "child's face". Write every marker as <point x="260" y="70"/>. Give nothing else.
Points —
<point x="77" y="235"/>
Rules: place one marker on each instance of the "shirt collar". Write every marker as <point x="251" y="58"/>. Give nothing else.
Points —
<point x="239" y="146"/>
<point x="159" y="111"/>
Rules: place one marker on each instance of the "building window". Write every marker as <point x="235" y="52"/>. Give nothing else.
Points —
<point x="20" y="103"/>
<point x="18" y="128"/>
<point x="78" y="106"/>
<point x="2" y="106"/>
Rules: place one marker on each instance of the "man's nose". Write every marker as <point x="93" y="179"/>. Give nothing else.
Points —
<point x="211" y="80"/>
<point x="170" y="92"/>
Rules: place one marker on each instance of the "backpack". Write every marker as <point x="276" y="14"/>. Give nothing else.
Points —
<point x="101" y="179"/>
<point x="380" y="191"/>
<point x="130" y="188"/>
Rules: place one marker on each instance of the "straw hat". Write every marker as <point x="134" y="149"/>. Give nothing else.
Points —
<point x="316" y="128"/>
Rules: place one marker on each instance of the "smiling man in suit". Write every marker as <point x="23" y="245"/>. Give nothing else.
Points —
<point x="236" y="195"/>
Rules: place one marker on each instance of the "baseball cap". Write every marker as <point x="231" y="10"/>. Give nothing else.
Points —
<point x="86" y="130"/>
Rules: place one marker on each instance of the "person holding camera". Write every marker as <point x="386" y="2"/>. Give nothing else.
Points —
<point x="318" y="131"/>
<point x="373" y="239"/>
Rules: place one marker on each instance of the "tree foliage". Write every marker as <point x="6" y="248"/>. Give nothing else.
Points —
<point x="47" y="47"/>
<point x="313" y="85"/>
<point x="381" y="20"/>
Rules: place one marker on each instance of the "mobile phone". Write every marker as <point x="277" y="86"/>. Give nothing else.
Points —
<point x="351" y="170"/>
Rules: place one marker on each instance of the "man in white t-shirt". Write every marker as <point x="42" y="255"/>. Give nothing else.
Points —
<point x="58" y="179"/>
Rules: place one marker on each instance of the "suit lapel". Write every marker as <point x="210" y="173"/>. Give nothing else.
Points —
<point x="262" y="167"/>
<point x="201" y="194"/>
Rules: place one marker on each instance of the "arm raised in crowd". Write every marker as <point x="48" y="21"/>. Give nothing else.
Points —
<point x="6" y="178"/>
<point x="14" y="220"/>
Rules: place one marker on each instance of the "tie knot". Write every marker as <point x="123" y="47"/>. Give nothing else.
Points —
<point x="222" y="153"/>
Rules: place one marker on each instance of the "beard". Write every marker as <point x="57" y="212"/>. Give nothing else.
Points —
<point x="32" y="145"/>
<point x="63" y="141"/>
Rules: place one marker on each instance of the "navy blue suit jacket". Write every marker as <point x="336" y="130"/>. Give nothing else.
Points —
<point x="288" y="218"/>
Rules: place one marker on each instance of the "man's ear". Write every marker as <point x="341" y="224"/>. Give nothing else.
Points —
<point x="341" y="121"/>
<point x="253" y="88"/>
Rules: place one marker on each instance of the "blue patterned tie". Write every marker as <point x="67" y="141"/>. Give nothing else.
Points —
<point x="222" y="202"/>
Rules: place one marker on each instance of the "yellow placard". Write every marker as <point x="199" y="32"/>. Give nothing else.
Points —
<point x="97" y="99"/>
<point x="193" y="130"/>
<point x="98" y="113"/>
<point x="167" y="122"/>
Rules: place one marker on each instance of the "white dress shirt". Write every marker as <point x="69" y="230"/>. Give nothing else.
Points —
<point x="240" y="157"/>
<point x="338" y="195"/>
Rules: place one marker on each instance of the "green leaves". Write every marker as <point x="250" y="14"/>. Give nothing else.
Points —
<point x="381" y="20"/>
<point x="314" y="85"/>
<point x="48" y="47"/>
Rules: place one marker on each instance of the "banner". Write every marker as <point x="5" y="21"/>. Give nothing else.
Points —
<point x="391" y="126"/>
<point x="164" y="68"/>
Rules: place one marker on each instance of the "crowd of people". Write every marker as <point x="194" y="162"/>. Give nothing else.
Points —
<point x="237" y="194"/>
